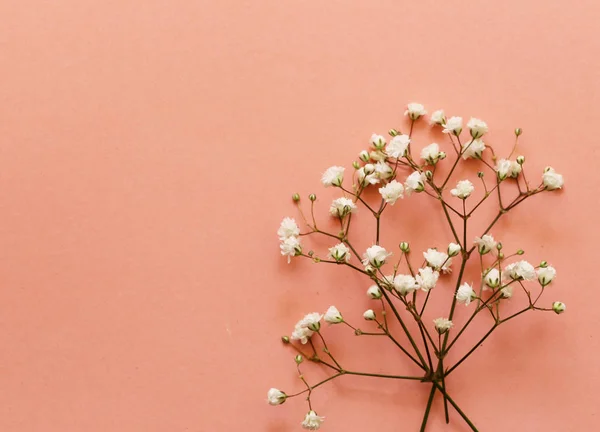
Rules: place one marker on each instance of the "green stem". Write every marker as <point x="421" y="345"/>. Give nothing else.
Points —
<point x="428" y="408"/>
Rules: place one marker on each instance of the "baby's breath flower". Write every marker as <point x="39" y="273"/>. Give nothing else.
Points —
<point x="369" y="315"/>
<point x="340" y="253"/>
<point x="431" y="153"/>
<point x="312" y="421"/>
<point x="559" y="307"/>
<point x="463" y="189"/>
<point x="438" y="260"/>
<point x="427" y="278"/>
<point x="415" y="110"/>
<point x="438" y="118"/>
<point x="276" y="397"/>
<point x="288" y="228"/>
<point x="375" y="256"/>
<point x="333" y="176"/>
<point x="333" y="316"/>
<point x="442" y="325"/>
<point x="473" y="149"/>
<point x="552" y="180"/>
<point x="485" y="244"/>
<point x="397" y="146"/>
<point x="465" y="294"/>
<point x="477" y="127"/>
<point x="392" y="191"/>
<point x="546" y="275"/>
<point x="342" y="206"/>
<point x="453" y="126"/>
<point x="374" y="292"/>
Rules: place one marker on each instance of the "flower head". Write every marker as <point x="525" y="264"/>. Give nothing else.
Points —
<point x="465" y="294"/>
<point x="492" y="278"/>
<point x="520" y="270"/>
<point x="374" y="292"/>
<point x="288" y="228"/>
<point x="383" y="170"/>
<point x="341" y="207"/>
<point x="369" y="315"/>
<point x="392" y="191"/>
<point x="453" y="126"/>
<point x="367" y="175"/>
<point x="552" y="180"/>
<point x="276" y="397"/>
<point x="438" y="118"/>
<point x="454" y="249"/>
<point x="414" y="183"/>
<point x="506" y="168"/>
<point x="507" y="292"/>
<point x="473" y="149"/>
<point x="442" y="325"/>
<point x="438" y="260"/>
<point x="431" y="153"/>
<point x="415" y="110"/>
<point x="290" y="247"/>
<point x="377" y="141"/>
<point x="546" y="275"/>
<point x="463" y="189"/>
<point x="427" y="278"/>
<point x="478" y="127"/>
<point x="559" y="307"/>
<point x="333" y="176"/>
<point x="312" y="421"/>
<point x="397" y="146"/>
<point x="405" y="284"/>
<point x="340" y="253"/>
<point x="376" y="256"/>
<point x="485" y="244"/>
<point x="333" y="315"/>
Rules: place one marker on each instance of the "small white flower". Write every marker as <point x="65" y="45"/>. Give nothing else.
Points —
<point x="377" y="155"/>
<point x="478" y="127"/>
<point x="453" y="126"/>
<point x="374" y="292"/>
<point x="442" y="325"/>
<point x="392" y="191"/>
<point x="311" y="321"/>
<point x="364" y="156"/>
<point x="376" y="256"/>
<point x="492" y="278"/>
<point x="415" y="110"/>
<point x="288" y="228"/>
<point x="377" y="141"/>
<point x="473" y="149"/>
<point x="405" y="284"/>
<point x="275" y="397"/>
<point x="333" y="176"/>
<point x="333" y="315"/>
<point x="438" y="260"/>
<point x="427" y="278"/>
<point x="383" y="170"/>
<point x="431" y="153"/>
<point x="559" y="307"/>
<point x="341" y="207"/>
<point x="520" y="270"/>
<point x="453" y="249"/>
<point x="290" y="247"/>
<point x="546" y="275"/>
<point x="507" y="292"/>
<point x="465" y="294"/>
<point x="414" y="183"/>
<point x="463" y="189"/>
<point x="552" y="180"/>
<point x="515" y="169"/>
<point x="369" y="315"/>
<point x="312" y="421"/>
<point x="503" y="168"/>
<point x="365" y="177"/>
<point x="302" y="334"/>
<point x="340" y="253"/>
<point x="486" y="244"/>
<point x="397" y="146"/>
<point x="438" y="118"/>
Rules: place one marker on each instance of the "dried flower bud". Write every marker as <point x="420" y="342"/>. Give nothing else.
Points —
<point x="480" y="174"/>
<point x="404" y="247"/>
<point x="312" y="197"/>
<point x="296" y="197"/>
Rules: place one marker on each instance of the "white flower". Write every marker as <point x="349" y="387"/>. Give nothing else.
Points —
<point x="438" y="260"/>
<point x="552" y="180"/>
<point x="520" y="270"/>
<point x="376" y="256"/>
<point x="405" y="284"/>
<point x="333" y="315"/>
<point x="340" y="252"/>
<point x="473" y="149"/>
<point x="275" y="397"/>
<point x="367" y="176"/>
<point x="453" y="249"/>
<point x="546" y="275"/>
<point x="341" y="207"/>
<point x="442" y="325"/>
<point x="478" y="127"/>
<point x="414" y="183"/>
<point x="507" y="292"/>
<point x="431" y="153"/>
<point x="453" y="125"/>
<point x="515" y="169"/>
<point x="364" y="156"/>
<point x="559" y="307"/>
<point x="438" y="118"/>
<point x="415" y="110"/>
<point x="374" y="292"/>
<point x="369" y="315"/>
<point x="506" y="168"/>
<point x="383" y="170"/>
<point x="465" y="294"/>
<point x="377" y="141"/>
<point x="302" y="334"/>
<point x="311" y="321"/>
<point x="333" y="176"/>
<point x="377" y="155"/>
<point x="427" y="278"/>
<point x="397" y="146"/>
<point x="290" y="247"/>
<point x="312" y="421"/>
<point x="288" y="228"/>
<point x="463" y="189"/>
<point x="492" y="278"/>
<point x="486" y="244"/>
<point x="392" y="191"/>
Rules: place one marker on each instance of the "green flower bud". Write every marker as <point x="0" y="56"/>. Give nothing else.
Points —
<point x="518" y="131"/>
<point x="559" y="307"/>
<point x="404" y="247"/>
<point x="312" y="197"/>
<point x="521" y="160"/>
<point x="296" y="197"/>
<point x="543" y="264"/>
<point x="285" y="339"/>
<point x="520" y="252"/>
<point x="393" y="132"/>
<point x="298" y="359"/>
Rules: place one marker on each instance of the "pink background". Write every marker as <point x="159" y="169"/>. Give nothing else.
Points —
<point x="148" y="150"/>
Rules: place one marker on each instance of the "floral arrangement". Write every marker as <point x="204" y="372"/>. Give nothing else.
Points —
<point x="404" y="296"/>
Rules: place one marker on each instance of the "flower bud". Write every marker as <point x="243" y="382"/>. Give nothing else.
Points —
<point x="298" y="359"/>
<point x="369" y="169"/>
<point x="518" y="131"/>
<point x="311" y="253"/>
<point x="442" y="325"/>
<point x="499" y="246"/>
<point x="428" y="175"/>
<point x="404" y="247"/>
<point x="521" y="160"/>
<point x="285" y="339"/>
<point x="543" y="264"/>
<point x="559" y="307"/>
<point x="442" y="155"/>
<point x="480" y="174"/>
<point x="364" y="156"/>
<point x="393" y="132"/>
<point x="520" y="252"/>
<point x="374" y="292"/>
<point x="355" y="165"/>
<point x="453" y="249"/>
<point x="314" y="326"/>
<point x="500" y="255"/>
<point x="312" y="197"/>
<point x="369" y="315"/>
<point x="295" y="197"/>
<point x="370" y="269"/>
<point x="546" y="275"/>
<point x="276" y="397"/>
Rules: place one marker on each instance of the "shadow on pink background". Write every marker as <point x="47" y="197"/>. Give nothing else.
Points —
<point x="148" y="152"/>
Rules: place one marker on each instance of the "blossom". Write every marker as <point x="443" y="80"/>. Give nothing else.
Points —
<point x="506" y="168"/>
<point x="333" y="315"/>
<point x="559" y="307"/>
<point x="485" y="244"/>
<point x="397" y="146"/>
<point x="427" y="278"/>
<point x="383" y="170"/>
<point x="438" y="260"/>
<point x="376" y="256"/>
<point x="478" y="127"/>
<point x="342" y="206"/>
<point x="453" y="126"/>
<point x="507" y="292"/>
<point x="276" y="397"/>
<point x="302" y="334"/>
<point x="552" y="180"/>
<point x="405" y="284"/>
<point x="454" y="249"/>
<point x="465" y="294"/>
<point x="374" y="292"/>
<point x="520" y="270"/>
<point x="312" y="421"/>
<point x="431" y="153"/>
<point x="364" y="156"/>
<point x="545" y="275"/>
<point x="288" y="228"/>
<point x="377" y="141"/>
<point x="340" y="252"/>
<point x="492" y="278"/>
<point x="473" y="149"/>
<point x="463" y="189"/>
<point x="392" y="191"/>
<point x="333" y="176"/>
<point x="290" y="247"/>
<point x="415" y="110"/>
<point x="369" y="315"/>
<point x="438" y="118"/>
<point x="442" y="325"/>
<point x="414" y="183"/>
<point x="367" y="175"/>
<point x="377" y="155"/>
